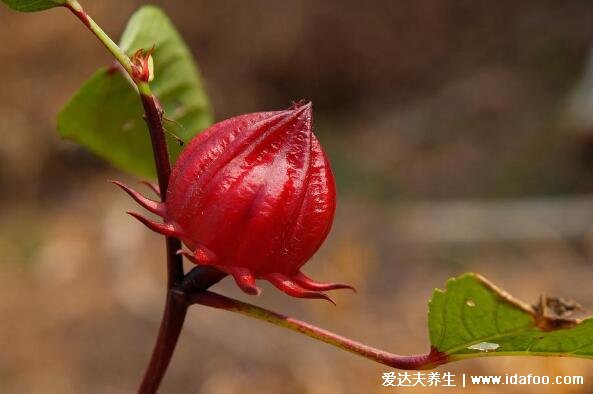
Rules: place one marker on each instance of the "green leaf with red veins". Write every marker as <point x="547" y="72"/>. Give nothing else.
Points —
<point x="105" y="115"/>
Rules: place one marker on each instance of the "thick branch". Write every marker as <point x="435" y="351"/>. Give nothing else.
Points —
<point x="423" y="361"/>
<point x="171" y="325"/>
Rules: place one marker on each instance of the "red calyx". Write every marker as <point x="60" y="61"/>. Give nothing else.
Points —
<point x="254" y="196"/>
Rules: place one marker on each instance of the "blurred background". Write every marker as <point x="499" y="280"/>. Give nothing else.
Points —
<point x="461" y="138"/>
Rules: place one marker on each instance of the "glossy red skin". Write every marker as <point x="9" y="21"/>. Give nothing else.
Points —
<point x="255" y="196"/>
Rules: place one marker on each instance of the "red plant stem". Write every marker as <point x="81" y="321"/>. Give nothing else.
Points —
<point x="171" y="325"/>
<point x="415" y="362"/>
<point x="175" y="310"/>
<point x="199" y="279"/>
<point x="154" y="119"/>
<point x="175" y="307"/>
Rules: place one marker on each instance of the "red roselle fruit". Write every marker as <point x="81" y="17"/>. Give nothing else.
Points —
<point x="255" y="197"/>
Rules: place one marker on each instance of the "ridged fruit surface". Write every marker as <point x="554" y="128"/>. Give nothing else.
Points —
<point x="254" y="196"/>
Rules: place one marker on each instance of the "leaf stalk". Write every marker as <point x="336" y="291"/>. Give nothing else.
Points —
<point x="408" y="362"/>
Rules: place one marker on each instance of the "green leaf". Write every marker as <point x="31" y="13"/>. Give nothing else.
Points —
<point x="33" y="5"/>
<point x="105" y="115"/>
<point x="473" y="318"/>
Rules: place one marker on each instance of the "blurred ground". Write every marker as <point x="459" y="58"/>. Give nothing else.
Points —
<point x="428" y="109"/>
